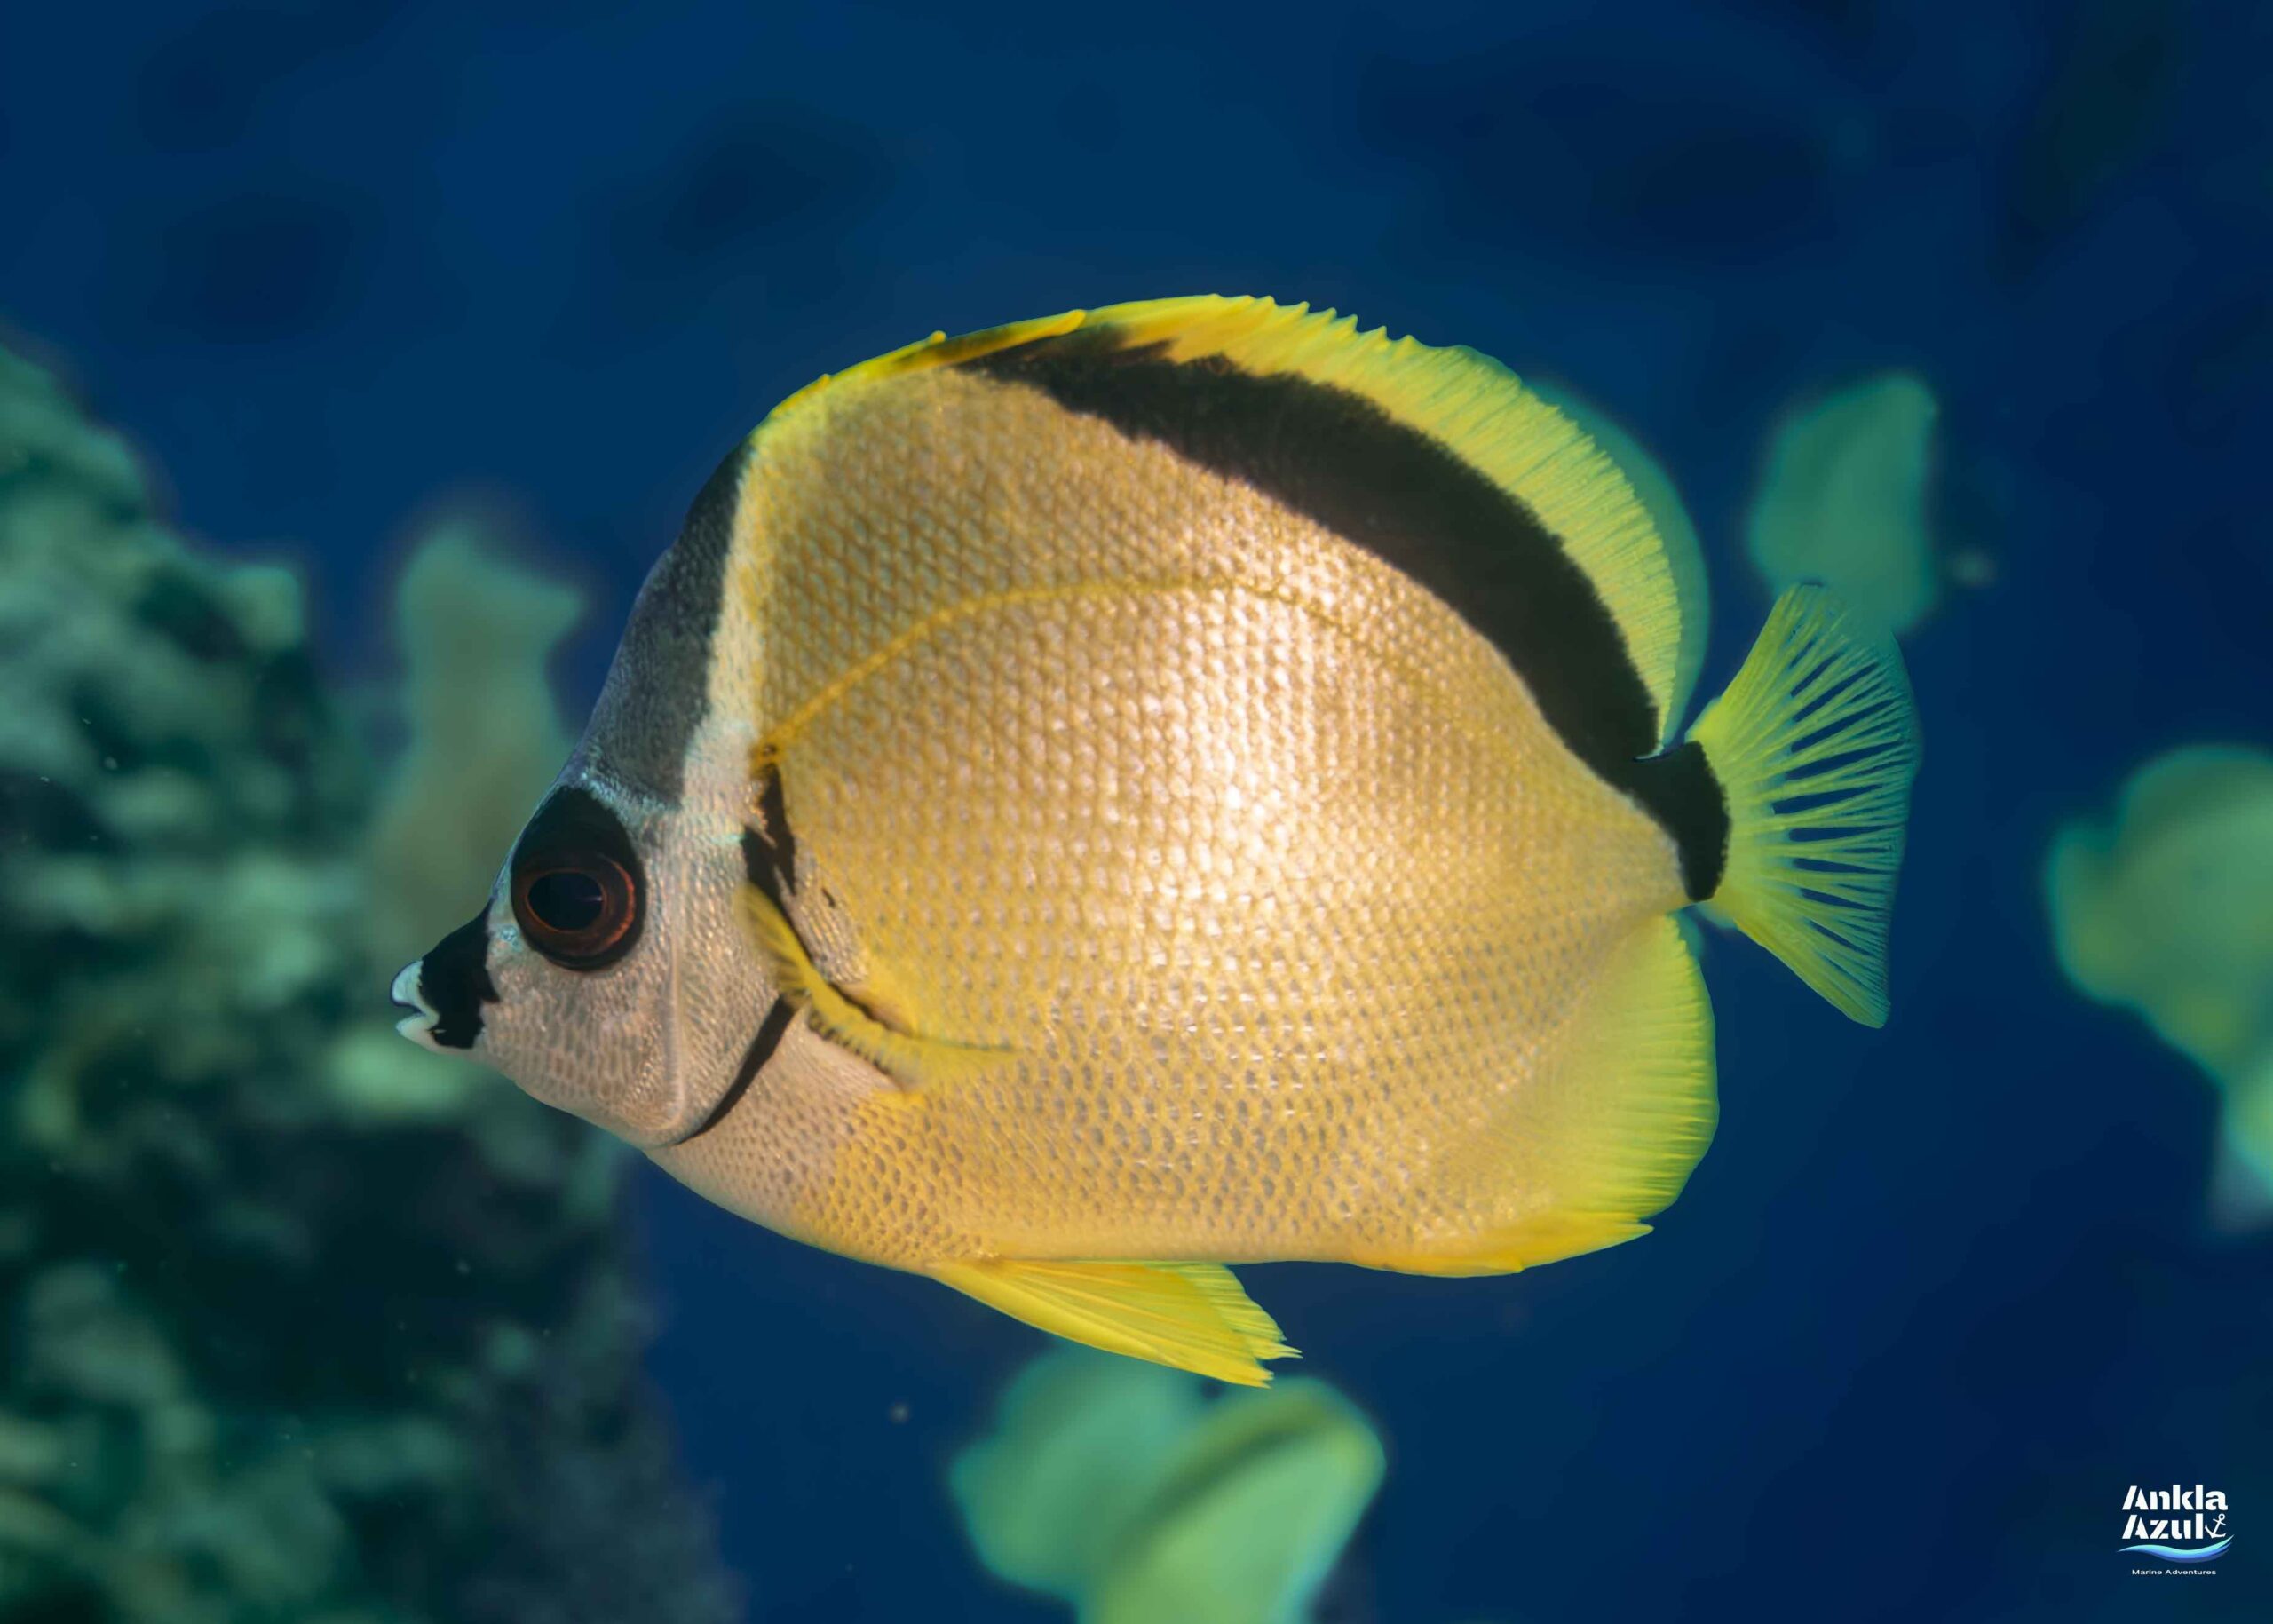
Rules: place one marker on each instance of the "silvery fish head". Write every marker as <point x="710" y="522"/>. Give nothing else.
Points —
<point x="607" y="974"/>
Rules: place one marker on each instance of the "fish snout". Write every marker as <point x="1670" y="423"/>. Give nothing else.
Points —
<point x="418" y="1025"/>
<point x="447" y="988"/>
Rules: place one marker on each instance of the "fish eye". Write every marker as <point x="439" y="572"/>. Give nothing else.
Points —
<point x="576" y="885"/>
<point x="566" y="900"/>
<point x="575" y="910"/>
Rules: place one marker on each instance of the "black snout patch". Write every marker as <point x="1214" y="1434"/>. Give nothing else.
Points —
<point x="454" y="979"/>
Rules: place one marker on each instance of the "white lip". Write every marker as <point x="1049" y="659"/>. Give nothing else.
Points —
<point x="418" y="1028"/>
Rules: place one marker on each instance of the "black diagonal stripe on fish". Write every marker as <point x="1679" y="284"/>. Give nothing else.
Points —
<point x="785" y="872"/>
<point x="763" y="1044"/>
<point x="655" y="695"/>
<point x="1014" y="687"/>
<point x="770" y="845"/>
<point x="1387" y="487"/>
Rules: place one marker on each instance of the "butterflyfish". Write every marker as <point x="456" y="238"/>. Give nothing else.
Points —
<point x="1845" y="499"/>
<point x="1101" y="799"/>
<point x="2167" y="908"/>
<point x="1116" y="1487"/>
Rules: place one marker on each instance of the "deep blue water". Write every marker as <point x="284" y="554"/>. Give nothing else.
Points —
<point x="1938" y="1295"/>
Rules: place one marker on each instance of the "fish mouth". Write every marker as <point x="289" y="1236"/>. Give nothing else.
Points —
<point x="418" y="1025"/>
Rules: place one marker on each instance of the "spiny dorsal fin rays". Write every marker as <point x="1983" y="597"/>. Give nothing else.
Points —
<point x="937" y="351"/>
<point x="1654" y="488"/>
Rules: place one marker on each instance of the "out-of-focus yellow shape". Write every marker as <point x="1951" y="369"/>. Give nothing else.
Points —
<point x="2168" y="909"/>
<point x="1113" y="1486"/>
<point x="1842" y="501"/>
<point x="1255" y="1511"/>
<point x="1079" y="1441"/>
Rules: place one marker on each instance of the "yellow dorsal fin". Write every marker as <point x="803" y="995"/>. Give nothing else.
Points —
<point x="1190" y="1315"/>
<point x="937" y="351"/>
<point x="1466" y="401"/>
<point x="1483" y="412"/>
<point x="1654" y="488"/>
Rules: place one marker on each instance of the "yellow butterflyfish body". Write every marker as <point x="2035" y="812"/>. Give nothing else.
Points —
<point x="1101" y="799"/>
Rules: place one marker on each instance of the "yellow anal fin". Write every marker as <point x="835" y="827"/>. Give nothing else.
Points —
<point x="1547" y="1239"/>
<point x="914" y="1061"/>
<point x="1188" y="1315"/>
<point x="1602" y="1134"/>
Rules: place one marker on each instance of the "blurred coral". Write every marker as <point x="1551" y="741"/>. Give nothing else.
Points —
<point x="302" y="1323"/>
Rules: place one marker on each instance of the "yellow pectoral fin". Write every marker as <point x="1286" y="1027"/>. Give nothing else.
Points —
<point x="1189" y="1316"/>
<point x="914" y="1061"/>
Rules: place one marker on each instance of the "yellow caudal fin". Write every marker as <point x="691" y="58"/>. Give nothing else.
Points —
<point x="1190" y="1315"/>
<point x="1814" y="745"/>
<point x="1603" y="1134"/>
